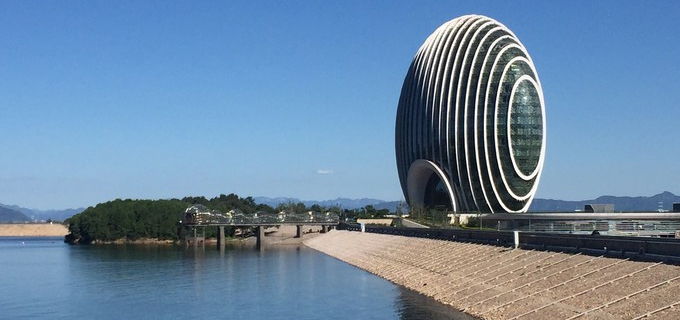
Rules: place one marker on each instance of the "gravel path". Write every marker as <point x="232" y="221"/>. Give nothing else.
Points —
<point x="500" y="283"/>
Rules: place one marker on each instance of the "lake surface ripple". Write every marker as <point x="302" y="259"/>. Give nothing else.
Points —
<point x="45" y="278"/>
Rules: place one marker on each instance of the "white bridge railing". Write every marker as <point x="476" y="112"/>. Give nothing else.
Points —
<point x="201" y="215"/>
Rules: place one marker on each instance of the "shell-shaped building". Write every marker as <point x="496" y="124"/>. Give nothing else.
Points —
<point x="470" y="129"/>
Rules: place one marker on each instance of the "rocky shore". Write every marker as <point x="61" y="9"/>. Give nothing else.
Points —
<point x="33" y="230"/>
<point x="281" y="235"/>
<point x="501" y="283"/>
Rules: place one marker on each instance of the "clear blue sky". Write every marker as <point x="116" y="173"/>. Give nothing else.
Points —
<point x="159" y="99"/>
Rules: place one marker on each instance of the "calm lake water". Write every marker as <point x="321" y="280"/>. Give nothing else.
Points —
<point x="47" y="279"/>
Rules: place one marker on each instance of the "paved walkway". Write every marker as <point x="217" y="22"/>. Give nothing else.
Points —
<point x="412" y="224"/>
<point x="500" y="283"/>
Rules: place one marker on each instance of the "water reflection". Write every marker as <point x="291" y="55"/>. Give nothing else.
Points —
<point x="168" y="282"/>
<point x="413" y="305"/>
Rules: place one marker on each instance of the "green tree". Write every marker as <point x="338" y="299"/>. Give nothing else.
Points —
<point x="317" y="208"/>
<point x="134" y="219"/>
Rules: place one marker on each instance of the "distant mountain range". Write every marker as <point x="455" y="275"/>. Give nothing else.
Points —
<point x="11" y="215"/>
<point x="663" y="201"/>
<point x="19" y="214"/>
<point x="345" y="203"/>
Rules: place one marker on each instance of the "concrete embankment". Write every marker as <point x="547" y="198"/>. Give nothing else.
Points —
<point x="501" y="283"/>
<point x="33" y="230"/>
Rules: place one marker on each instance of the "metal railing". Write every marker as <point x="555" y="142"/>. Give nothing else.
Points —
<point x="622" y="245"/>
<point x="642" y="247"/>
<point x="501" y="238"/>
<point x="630" y="227"/>
<point x="200" y="215"/>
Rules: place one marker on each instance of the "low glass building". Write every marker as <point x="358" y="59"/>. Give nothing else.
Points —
<point x="470" y="128"/>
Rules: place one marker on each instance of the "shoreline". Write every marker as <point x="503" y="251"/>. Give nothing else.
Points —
<point x="275" y="236"/>
<point x="33" y="230"/>
<point x="496" y="283"/>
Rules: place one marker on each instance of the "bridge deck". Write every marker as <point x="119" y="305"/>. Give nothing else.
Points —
<point x="260" y="224"/>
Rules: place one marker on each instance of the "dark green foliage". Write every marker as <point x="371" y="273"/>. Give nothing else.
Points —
<point x="292" y="207"/>
<point x="472" y="222"/>
<point x="224" y="203"/>
<point x="135" y="219"/>
<point x="127" y="219"/>
<point x="370" y="212"/>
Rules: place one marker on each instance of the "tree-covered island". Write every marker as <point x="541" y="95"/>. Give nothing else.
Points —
<point x="139" y="220"/>
<point x="135" y="220"/>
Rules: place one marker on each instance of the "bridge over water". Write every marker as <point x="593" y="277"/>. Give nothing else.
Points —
<point x="199" y="216"/>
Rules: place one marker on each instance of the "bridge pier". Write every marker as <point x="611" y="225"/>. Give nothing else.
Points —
<point x="195" y="238"/>
<point x="324" y="228"/>
<point x="220" y="238"/>
<point x="298" y="231"/>
<point x="260" y="238"/>
<point x="203" y="238"/>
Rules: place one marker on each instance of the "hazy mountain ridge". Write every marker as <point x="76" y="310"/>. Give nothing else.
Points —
<point x="621" y="203"/>
<point x="345" y="203"/>
<point x="624" y="203"/>
<point x="11" y="215"/>
<point x="34" y="214"/>
<point x="15" y="213"/>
